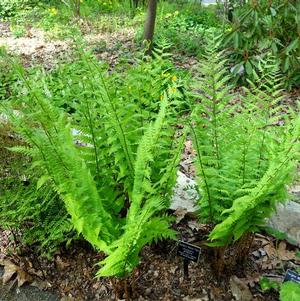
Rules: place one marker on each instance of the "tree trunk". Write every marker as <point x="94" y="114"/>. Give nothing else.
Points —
<point x="150" y="24"/>
<point x="76" y="8"/>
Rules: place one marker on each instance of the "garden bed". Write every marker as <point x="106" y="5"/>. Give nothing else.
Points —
<point x="160" y="275"/>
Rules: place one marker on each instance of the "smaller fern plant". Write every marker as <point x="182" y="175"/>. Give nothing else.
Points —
<point x="116" y="183"/>
<point x="36" y="217"/>
<point x="247" y="152"/>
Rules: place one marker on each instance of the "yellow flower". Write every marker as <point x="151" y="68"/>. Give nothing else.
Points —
<point x="174" y="78"/>
<point x="173" y="90"/>
<point x="52" y="11"/>
<point x="161" y="97"/>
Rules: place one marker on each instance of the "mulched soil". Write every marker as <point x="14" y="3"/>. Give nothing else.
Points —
<point x="160" y="274"/>
<point x="35" y="47"/>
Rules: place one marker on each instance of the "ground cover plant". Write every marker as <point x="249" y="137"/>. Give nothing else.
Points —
<point x="105" y="127"/>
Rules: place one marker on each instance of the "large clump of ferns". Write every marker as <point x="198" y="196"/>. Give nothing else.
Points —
<point x="116" y="174"/>
<point x="247" y="145"/>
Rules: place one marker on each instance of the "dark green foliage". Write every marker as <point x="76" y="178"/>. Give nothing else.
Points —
<point x="260" y="27"/>
<point x="289" y="291"/>
<point x="186" y="29"/>
<point x="112" y="160"/>
<point x="247" y="149"/>
<point x="9" y="7"/>
<point x="7" y="76"/>
<point x="37" y="217"/>
<point x="267" y="284"/>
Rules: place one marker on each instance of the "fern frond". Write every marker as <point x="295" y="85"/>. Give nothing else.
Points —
<point x="251" y="209"/>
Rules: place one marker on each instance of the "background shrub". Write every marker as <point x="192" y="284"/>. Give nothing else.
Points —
<point x="261" y="27"/>
<point x="9" y="8"/>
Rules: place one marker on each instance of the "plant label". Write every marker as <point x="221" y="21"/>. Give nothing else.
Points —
<point x="292" y="276"/>
<point x="188" y="251"/>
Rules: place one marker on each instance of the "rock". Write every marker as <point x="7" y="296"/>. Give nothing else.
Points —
<point x="287" y="220"/>
<point x="185" y="194"/>
<point x="25" y="293"/>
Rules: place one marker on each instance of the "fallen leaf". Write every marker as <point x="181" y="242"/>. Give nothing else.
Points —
<point x="60" y="264"/>
<point x="240" y="289"/>
<point x="194" y="225"/>
<point x="253" y="279"/>
<point x="10" y="269"/>
<point x="189" y="148"/>
<point x="180" y="214"/>
<point x="23" y="277"/>
<point x="270" y="250"/>
<point x="42" y="285"/>
<point x="270" y="265"/>
<point x="283" y="253"/>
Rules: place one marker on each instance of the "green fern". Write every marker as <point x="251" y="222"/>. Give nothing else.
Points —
<point x="116" y="174"/>
<point x="245" y="158"/>
<point x="290" y="291"/>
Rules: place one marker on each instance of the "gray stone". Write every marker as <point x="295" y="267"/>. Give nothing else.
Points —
<point x="10" y="292"/>
<point x="287" y="220"/>
<point x="185" y="194"/>
<point x="25" y="293"/>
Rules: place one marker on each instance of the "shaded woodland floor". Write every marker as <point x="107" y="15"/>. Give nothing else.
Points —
<point x="159" y="276"/>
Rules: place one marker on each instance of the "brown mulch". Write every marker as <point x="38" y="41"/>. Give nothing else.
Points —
<point x="160" y="274"/>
